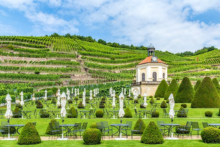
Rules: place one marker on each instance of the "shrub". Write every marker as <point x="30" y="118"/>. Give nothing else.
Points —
<point x="163" y="104"/>
<point x="136" y="126"/>
<point x="131" y="98"/>
<point x="128" y="113"/>
<point x="158" y="98"/>
<point x="142" y="106"/>
<point x="181" y="113"/>
<point x="19" y="105"/>
<point x="185" y="92"/>
<point x="92" y="136"/>
<point x="208" y="113"/>
<point x="206" y="96"/>
<point x="53" y="101"/>
<point x="139" y="96"/>
<point x="210" y="135"/>
<point x="161" y="89"/>
<point x="167" y="101"/>
<point x="29" y="135"/>
<point x="44" y="114"/>
<point x="155" y="114"/>
<point x="184" y="105"/>
<point x="72" y="113"/>
<point x="80" y="105"/>
<point x="48" y="131"/>
<point x="219" y="112"/>
<point x="152" y="135"/>
<point x="17" y="113"/>
<point x="173" y="87"/>
<point x="70" y="101"/>
<point x="152" y="101"/>
<point x="76" y="98"/>
<point x="197" y="85"/>
<point x="39" y="104"/>
<point x="102" y="106"/>
<point x="136" y="101"/>
<point x="99" y="113"/>
<point x="93" y="125"/>
<point x="150" y="96"/>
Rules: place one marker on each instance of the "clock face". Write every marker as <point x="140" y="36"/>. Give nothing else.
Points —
<point x="154" y="59"/>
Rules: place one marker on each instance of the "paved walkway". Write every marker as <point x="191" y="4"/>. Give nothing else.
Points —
<point x="194" y="137"/>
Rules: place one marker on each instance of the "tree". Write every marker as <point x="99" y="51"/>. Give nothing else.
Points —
<point x="216" y="83"/>
<point x="161" y="89"/>
<point x="173" y="87"/>
<point x="206" y="96"/>
<point x="152" y="134"/>
<point x="55" y="35"/>
<point x="197" y="85"/>
<point x="185" y="92"/>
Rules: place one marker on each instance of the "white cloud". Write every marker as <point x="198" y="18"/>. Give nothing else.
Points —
<point x="2" y="13"/>
<point x="164" y="23"/>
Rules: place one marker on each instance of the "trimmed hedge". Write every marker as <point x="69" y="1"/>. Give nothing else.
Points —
<point x="92" y="136"/>
<point x="152" y="135"/>
<point x="197" y="85"/>
<point x="155" y="114"/>
<point x="136" y="126"/>
<point x="173" y="88"/>
<point x="72" y="113"/>
<point x="210" y="135"/>
<point x="94" y="125"/>
<point x="99" y="113"/>
<point x="206" y="96"/>
<point x="17" y="113"/>
<point x="184" y="105"/>
<point x="161" y="89"/>
<point x="163" y="104"/>
<point x="29" y="135"/>
<point x="216" y="83"/>
<point x="181" y="113"/>
<point x="208" y="113"/>
<point x="128" y="113"/>
<point x="185" y="92"/>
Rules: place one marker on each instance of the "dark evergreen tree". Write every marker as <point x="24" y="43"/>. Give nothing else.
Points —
<point x="152" y="135"/>
<point x="185" y="92"/>
<point x="206" y="96"/>
<point x="173" y="87"/>
<point x="161" y="89"/>
<point x="197" y="85"/>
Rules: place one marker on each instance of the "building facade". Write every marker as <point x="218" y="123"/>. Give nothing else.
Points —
<point x="149" y="73"/>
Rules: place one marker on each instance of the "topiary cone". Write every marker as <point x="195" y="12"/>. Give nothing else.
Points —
<point x="173" y="87"/>
<point x="185" y="92"/>
<point x="161" y="89"/>
<point x="152" y="135"/>
<point x="136" y="127"/>
<point x="206" y="96"/>
<point x="29" y="135"/>
<point x="197" y="85"/>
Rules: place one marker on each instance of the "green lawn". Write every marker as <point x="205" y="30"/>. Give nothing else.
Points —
<point x="113" y="143"/>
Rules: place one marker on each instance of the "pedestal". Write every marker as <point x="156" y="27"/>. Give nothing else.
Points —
<point x="171" y="137"/>
<point x="9" y="138"/>
<point x="57" y="117"/>
<point x="62" y="138"/>
<point x="113" y="117"/>
<point x="145" y="117"/>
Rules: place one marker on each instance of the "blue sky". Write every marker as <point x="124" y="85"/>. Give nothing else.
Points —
<point x="172" y="25"/>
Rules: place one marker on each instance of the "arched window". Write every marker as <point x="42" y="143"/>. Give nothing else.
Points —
<point x="163" y="75"/>
<point x="154" y="76"/>
<point x="143" y="76"/>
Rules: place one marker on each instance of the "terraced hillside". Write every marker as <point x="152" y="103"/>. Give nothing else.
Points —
<point x="65" y="61"/>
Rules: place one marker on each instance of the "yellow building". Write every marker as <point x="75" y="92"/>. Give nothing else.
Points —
<point x="149" y="73"/>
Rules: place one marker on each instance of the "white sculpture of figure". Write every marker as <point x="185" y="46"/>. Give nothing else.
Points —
<point x="90" y="95"/>
<point x="75" y="92"/>
<point x="72" y="90"/>
<point x="84" y="99"/>
<point x="58" y="97"/>
<point x="45" y="97"/>
<point x="145" y="100"/>
<point x="113" y="99"/>
<point x="22" y="99"/>
<point x="121" y="110"/>
<point x="63" y="105"/>
<point x="125" y="91"/>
